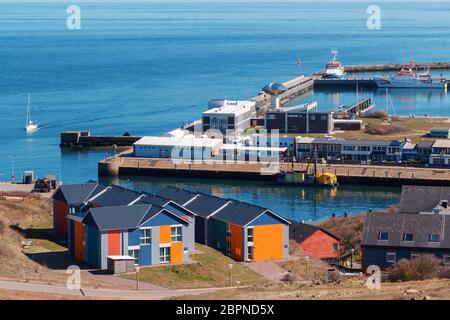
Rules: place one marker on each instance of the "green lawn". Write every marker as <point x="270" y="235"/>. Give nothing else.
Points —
<point x="207" y="269"/>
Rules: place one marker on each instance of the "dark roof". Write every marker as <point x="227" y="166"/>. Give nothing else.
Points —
<point x="242" y="213"/>
<point x="204" y="204"/>
<point x="396" y="224"/>
<point x="300" y="231"/>
<point x="148" y="198"/>
<point x="425" y="144"/>
<point x="120" y="217"/>
<point x="364" y="142"/>
<point x="179" y="196"/>
<point x="115" y="196"/>
<point x="76" y="194"/>
<point x="415" y="199"/>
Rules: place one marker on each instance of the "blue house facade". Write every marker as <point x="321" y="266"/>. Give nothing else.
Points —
<point x="150" y="234"/>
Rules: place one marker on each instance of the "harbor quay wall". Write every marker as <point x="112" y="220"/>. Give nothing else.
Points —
<point x="240" y="170"/>
<point x="395" y="66"/>
<point x="83" y="139"/>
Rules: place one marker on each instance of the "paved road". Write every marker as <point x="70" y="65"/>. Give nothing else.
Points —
<point x="102" y="293"/>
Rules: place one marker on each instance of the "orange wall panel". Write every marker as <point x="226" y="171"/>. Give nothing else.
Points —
<point x="114" y="243"/>
<point x="60" y="210"/>
<point x="268" y="242"/>
<point x="236" y="242"/>
<point x="164" y="234"/>
<point x="78" y="238"/>
<point x="176" y="252"/>
<point x="320" y="245"/>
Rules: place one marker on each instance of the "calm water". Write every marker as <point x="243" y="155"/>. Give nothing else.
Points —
<point x="147" y="68"/>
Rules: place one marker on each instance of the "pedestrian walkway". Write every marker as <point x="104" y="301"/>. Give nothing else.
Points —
<point x="268" y="269"/>
<point x="102" y="293"/>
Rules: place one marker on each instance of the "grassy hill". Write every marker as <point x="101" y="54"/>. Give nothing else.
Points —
<point x="29" y="218"/>
<point x="207" y="269"/>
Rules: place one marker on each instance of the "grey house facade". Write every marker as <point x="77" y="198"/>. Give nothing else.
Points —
<point x="388" y="238"/>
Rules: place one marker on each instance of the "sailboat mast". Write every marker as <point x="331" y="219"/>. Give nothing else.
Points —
<point x="28" y="109"/>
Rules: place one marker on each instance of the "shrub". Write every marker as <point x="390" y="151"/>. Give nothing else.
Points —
<point x="347" y="229"/>
<point x="382" y="130"/>
<point x="380" y="114"/>
<point x="420" y="268"/>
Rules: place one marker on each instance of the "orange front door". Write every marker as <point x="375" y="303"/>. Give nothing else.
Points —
<point x="114" y="243"/>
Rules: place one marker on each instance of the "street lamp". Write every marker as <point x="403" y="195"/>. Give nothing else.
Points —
<point x="231" y="274"/>
<point x="13" y="176"/>
<point x="352" y="251"/>
<point x="306" y="266"/>
<point x="137" y="277"/>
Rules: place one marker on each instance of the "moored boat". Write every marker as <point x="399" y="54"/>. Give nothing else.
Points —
<point x="334" y="68"/>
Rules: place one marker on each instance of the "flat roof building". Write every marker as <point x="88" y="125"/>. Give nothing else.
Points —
<point x="186" y="147"/>
<point x="439" y="133"/>
<point x="228" y="115"/>
<point x="299" y="119"/>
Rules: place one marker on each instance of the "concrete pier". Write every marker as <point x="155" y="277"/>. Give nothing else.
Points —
<point x="395" y="66"/>
<point x="347" y="174"/>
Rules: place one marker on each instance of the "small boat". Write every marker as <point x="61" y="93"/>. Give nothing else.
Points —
<point x="408" y="78"/>
<point x="334" y="68"/>
<point x="30" y="126"/>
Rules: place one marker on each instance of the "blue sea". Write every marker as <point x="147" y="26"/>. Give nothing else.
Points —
<point x="148" y="67"/>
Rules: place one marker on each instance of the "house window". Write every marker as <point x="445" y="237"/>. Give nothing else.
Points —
<point x="335" y="247"/>
<point x="414" y="255"/>
<point x="228" y="231"/>
<point x="250" y="253"/>
<point x="250" y="235"/>
<point x="228" y="248"/>
<point x="134" y="253"/>
<point x="435" y="237"/>
<point x="145" y="236"/>
<point x="391" y="257"/>
<point x="408" y="237"/>
<point x="164" y="255"/>
<point x="383" y="235"/>
<point x="446" y="260"/>
<point x="175" y="233"/>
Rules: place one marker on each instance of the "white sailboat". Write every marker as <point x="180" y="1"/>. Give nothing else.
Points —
<point x="30" y="126"/>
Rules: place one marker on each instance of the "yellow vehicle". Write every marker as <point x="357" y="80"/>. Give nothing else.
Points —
<point x="318" y="179"/>
<point x="326" y="178"/>
<point x="302" y="178"/>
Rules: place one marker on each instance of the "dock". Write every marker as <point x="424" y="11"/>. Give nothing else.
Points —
<point x="353" y="83"/>
<point x="80" y="140"/>
<point x="360" y="107"/>
<point x="241" y="170"/>
<point x="395" y="66"/>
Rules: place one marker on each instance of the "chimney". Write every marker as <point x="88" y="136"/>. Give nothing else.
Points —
<point x="444" y="204"/>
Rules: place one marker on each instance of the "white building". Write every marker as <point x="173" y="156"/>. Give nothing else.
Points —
<point x="233" y="152"/>
<point x="440" y="153"/>
<point x="186" y="147"/>
<point x="226" y="115"/>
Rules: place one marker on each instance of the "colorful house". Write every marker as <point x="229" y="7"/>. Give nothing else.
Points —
<point x="68" y="199"/>
<point x="202" y="205"/>
<point x="238" y="229"/>
<point x="315" y="241"/>
<point x="79" y="198"/>
<point x="150" y="234"/>
<point x="249" y="233"/>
